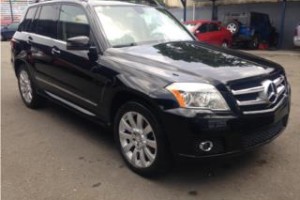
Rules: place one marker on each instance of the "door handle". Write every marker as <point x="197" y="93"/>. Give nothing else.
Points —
<point x="29" y="41"/>
<point x="55" y="51"/>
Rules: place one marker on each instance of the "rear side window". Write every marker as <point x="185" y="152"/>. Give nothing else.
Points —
<point x="27" y="22"/>
<point x="72" y="22"/>
<point x="46" y="24"/>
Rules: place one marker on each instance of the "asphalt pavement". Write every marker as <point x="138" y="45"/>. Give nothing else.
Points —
<point x="52" y="154"/>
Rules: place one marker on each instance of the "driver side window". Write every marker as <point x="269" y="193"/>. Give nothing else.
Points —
<point x="72" y="22"/>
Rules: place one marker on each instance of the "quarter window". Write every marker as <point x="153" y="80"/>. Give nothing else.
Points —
<point x="72" y="22"/>
<point x="47" y="21"/>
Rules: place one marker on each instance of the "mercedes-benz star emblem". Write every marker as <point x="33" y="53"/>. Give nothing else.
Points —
<point x="270" y="91"/>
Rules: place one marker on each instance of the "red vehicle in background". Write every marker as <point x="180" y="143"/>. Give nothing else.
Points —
<point x="210" y="32"/>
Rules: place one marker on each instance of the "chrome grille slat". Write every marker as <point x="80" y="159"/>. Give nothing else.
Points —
<point x="255" y="100"/>
<point x="251" y="102"/>
<point x="278" y="81"/>
<point x="248" y="90"/>
<point x="266" y="110"/>
<point x="280" y="89"/>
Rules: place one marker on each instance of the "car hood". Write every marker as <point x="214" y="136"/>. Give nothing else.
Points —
<point x="192" y="61"/>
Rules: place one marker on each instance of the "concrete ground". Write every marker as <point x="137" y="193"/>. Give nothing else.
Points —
<point x="53" y="154"/>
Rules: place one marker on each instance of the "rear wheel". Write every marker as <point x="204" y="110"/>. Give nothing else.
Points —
<point x="140" y="140"/>
<point x="27" y="89"/>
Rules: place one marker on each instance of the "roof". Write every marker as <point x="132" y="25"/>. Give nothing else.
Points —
<point x="200" y="21"/>
<point x="106" y="2"/>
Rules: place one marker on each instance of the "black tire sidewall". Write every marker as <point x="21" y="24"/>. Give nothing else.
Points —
<point x="162" y="161"/>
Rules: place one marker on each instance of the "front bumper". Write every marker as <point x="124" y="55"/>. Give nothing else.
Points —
<point x="229" y="133"/>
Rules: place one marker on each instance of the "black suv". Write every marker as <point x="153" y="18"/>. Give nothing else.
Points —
<point x="136" y="69"/>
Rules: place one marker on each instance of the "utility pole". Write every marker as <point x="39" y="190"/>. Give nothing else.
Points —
<point x="283" y="9"/>
<point x="11" y="11"/>
<point x="184" y="9"/>
<point x="214" y="11"/>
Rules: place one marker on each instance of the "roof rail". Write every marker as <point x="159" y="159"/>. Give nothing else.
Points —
<point x="144" y="2"/>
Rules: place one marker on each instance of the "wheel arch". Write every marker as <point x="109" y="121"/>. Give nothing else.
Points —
<point x="124" y="96"/>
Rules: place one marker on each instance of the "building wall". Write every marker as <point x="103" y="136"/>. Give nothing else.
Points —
<point x="273" y="9"/>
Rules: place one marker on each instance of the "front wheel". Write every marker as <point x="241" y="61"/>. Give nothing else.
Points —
<point x="140" y="140"/>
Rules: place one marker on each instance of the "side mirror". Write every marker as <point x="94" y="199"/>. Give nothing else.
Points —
<point x="78" y="43"/>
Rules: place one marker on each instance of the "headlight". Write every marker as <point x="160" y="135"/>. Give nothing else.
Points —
<point x="198" y="95"/>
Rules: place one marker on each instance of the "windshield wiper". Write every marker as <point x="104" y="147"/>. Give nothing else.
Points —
<point x="125" y="45"/>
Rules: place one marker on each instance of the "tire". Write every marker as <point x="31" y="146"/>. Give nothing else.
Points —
<point x="142" y="145"/>
<point x="254" y="43"/>
<point x="27" y="89"/>
<point x="233" y="27"/>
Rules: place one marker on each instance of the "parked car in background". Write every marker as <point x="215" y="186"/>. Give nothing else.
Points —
<point x="210" y="32"/>
<point x="297" y="36"/>
<point x="8" y="31"/>
<point x="251" y="28"/>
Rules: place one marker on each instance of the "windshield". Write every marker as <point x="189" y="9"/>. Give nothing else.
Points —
<point x="134" y="25"/>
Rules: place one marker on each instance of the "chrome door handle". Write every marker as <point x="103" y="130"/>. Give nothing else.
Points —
<point x="55" y="51"/>
<point x="29" y="41"/>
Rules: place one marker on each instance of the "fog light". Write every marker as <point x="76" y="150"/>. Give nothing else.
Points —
<point x="206" y="146"/>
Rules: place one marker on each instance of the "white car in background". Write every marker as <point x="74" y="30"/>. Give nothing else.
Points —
<point x="297" y="36"/>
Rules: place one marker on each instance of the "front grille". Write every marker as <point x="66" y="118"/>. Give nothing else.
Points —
<point x="255" y="138"/>
<point x="261" y="96"/>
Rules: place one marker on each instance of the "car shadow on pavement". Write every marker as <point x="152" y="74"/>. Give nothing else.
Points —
<point x="90" y="130"/>
<point x="183" y="171"/>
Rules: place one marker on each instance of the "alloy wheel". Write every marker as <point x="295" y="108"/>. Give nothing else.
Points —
<point x="232" y="27"/>
<point x="25" y="86"/>
<point x="137" y="139"/>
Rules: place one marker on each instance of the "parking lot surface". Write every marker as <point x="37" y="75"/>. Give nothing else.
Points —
<point x="53" y="154"/>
